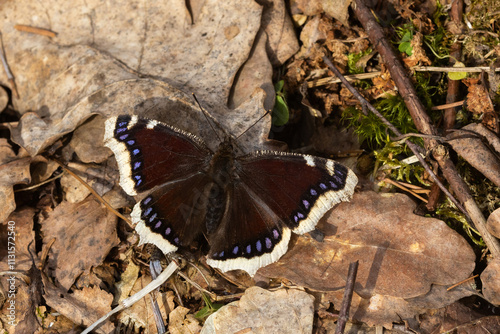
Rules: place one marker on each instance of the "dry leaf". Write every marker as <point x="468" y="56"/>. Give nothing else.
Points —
<point x="282" y="311"/>
<point x="84" y="233"/>
<point x="21" y="223"/>
<point x="493" y="223"/>
<point x="400" y="254"/>
<point x="418" y="56"/>
<point x="93" y="175"/>
<point x="13" y="170"/>
<point x="491" y="282"/>
<point x="474" y="150"/>
<point x="85" y="142"/>
<point x="83" y="307"/>
<point x="281" y="36"/>
<point x="180" y="322"/>
<point x="338" y="9"/>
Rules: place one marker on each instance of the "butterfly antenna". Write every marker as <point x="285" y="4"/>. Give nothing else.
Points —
<point x="206" y="116"/>
<point x="257" y="121"/>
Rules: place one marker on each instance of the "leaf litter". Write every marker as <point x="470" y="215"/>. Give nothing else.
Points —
<point x="103" y="62"/>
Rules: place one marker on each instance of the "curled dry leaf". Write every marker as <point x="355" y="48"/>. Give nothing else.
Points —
<point x="281" y="36"/>
<point x="338" y="9"/>
<point x="477" y="145"/>
<point x="20" y="222"/>
<point x="84" y="233"/>
<point x="282" y="311"/>
<point x="490" y="278"/>
<point x="493" y="223"/>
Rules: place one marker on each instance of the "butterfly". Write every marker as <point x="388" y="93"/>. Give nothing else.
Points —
<point x="246" y="206"/>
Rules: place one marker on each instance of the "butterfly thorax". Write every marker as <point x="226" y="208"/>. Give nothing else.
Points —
<point x="222" y="172"/>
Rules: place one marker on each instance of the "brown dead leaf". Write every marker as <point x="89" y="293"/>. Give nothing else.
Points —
<point x="85" y="144"/>
<point x="83" y="307"/>
<point x="384" y="310"/>
<point x="477" y="97"/>
<point x="24" y="319"/>
<point x="493" y="223"/>
<point x="491" y="282"/>
<point x="26" y="296"/>
<point x="180" y="322"/>
<point x="4" y="99"/>
<point x="84" y="233"/>
<point x="479" y="103"/>
<point x="13" y="170"/>
<point x="93" y="175"/>
<point x="127" y="281"/>
<point x="400" y="254"/>
<point x="255" y="70"/>
<point x="471" y="146"/>
<point x="281" y="36"/>
<point x="458" y="318"/>
<point x="281" y="311"/>
<point x="338" y="9"/>
<point x="21" y="223"/>
<point x="383" y="84"/>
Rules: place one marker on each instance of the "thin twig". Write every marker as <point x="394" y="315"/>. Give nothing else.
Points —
<point x="333" y="80"/>
<point x="35" y="30"/>
<point x="462" y="282"/>
<point x="477" y="69"/>
<point x="418" y="135"/>
<point x="413" y="147"/>
<point x="96" y="195"/>
<point x="448" y="105"/>
<point x="346" y="300"/>
<point x="397" y="184"/>
<point x="39" y="184"/>
<point x="126" y="303"/>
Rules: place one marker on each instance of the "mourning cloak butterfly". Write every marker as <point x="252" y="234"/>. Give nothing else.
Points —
<point x="247" y="206"/>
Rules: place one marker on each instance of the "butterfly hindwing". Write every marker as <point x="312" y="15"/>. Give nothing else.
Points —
<point x="174" y="214"/>
<point x="249" y="236"/>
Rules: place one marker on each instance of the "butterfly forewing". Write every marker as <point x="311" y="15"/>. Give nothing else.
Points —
<point x="298" y="188"/>
<point x="150" y="153"/>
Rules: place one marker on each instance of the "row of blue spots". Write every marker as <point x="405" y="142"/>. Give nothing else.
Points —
<point x="314" y="193"/>
<point x="150" y="215"/>
<point x="268" y="243"/>
<point x="121" y="127"/>
<point x="136" y="165"/>
<point x="340" y="173"/>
